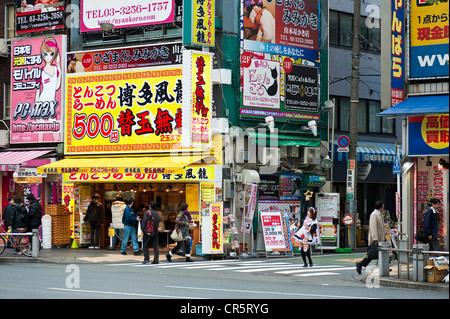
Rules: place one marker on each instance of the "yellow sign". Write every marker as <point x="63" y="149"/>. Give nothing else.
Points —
<point x="429" y="23"/>
<point x="190" y="174"/>
<point x="435" y="131"/>
<point x="192" y="197"/>
<point x="216" y="227"/>
<point x="132" y="112"/>
<point x="208" y="192"/>
<point x="203" y="23"/>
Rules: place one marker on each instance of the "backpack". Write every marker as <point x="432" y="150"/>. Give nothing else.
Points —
<point x="151" y="226"/>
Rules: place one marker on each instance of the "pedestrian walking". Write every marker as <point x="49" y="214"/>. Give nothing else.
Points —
<point x="117" y="209"/>
<point x="94" y="216"/>
<point x="182" y="224"/>
<point x="431" y="225"/>
<point x="149" y="226"/>
<point x="376" y="233"/>
<point x="18" y="218"/>
<point x="305" y="234"/>
<point x="129" y="220"/>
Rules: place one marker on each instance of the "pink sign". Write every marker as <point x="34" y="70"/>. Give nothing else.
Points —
<point x="125" y="14"/>
<point x="36" y="89"/>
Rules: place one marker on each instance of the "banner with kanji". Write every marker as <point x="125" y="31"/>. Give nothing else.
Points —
<point x="131" y="111"/>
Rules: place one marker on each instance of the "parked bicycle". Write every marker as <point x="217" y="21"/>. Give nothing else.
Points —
<point x="18" y="242"/>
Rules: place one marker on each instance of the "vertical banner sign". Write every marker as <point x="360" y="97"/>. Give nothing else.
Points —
<point x="351" y="179"/>
<point x="397" y="52"/>
<point x="250" y="194"/>
<point x="197" y="99"/>
<point x="429" y="39"/>
<point x="428" y="135"/>
<point x="37" y="90"/>
<point x="199" y="23"/>
<point x="216" y="228"/>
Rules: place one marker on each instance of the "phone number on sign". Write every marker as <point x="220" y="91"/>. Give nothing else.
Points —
<point x="126" y="10"/>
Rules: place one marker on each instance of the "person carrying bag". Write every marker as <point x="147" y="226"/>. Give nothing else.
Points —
<point x="182" y="226"/>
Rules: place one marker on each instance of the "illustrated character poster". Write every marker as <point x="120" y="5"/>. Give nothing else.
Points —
<point x="36" y="90"/>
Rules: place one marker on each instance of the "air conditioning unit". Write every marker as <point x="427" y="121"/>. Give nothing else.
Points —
<point x="293" y="151"/>
<point x="3" y="47"/>
<point x="4" y="139"/>
<point x="310" y="156"/>
<point x="269" y="156"/>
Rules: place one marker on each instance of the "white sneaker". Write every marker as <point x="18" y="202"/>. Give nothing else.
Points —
<point x="96" y="247"/>
<point x="91" y="247"/>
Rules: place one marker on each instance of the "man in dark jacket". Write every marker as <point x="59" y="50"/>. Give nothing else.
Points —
<point x="129" y="220"/>
<point x="18" y="218"/>
<point x="94" y="216"/>
<point x="151" y="216"/>
<point x="7" y="211"/>
<point x="34" y="213"/>
<point x="431" y="225"/>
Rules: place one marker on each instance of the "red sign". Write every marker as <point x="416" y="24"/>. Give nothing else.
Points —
<point x="348" y="220"/>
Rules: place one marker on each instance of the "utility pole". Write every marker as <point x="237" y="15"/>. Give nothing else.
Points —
<point x="351" y="204"/>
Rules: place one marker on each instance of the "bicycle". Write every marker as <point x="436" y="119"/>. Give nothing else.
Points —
<point x="20" y="242"/>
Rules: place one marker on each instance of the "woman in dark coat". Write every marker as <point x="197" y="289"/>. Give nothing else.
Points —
<point x="94" y="216"/>
<point x="182" y="224"/>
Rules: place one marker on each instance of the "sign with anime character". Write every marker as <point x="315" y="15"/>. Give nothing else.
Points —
<point x="126" y="111"/>
<point x="36" y="90"/>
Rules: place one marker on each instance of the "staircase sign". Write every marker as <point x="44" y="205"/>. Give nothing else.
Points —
<point x="396" y="168"/>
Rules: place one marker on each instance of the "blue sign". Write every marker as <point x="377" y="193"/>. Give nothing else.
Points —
<point x="429" y="61"/>
<point x="396" y="168"/>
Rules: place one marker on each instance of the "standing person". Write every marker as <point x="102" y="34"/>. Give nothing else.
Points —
<point x="129" y="220"/>
<point x="151" y="217"/>
<point x="182" y="224"/>
<point x="117" y="209"/>
<point x="34" y="215"/>
<point x="18" y="218"/>
<point x="305" y="235"/>
<point x="7" y="211"/>
<point x="431" y="225"/>
<point x="376" y="233"/>
<point x="94" y="216"/>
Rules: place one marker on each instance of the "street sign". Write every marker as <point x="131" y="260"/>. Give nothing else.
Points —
<point x="396" y="168"/>
<point x="351" y="179"/>
<point x="348" y="220"/>
<point x="343" y="143"/>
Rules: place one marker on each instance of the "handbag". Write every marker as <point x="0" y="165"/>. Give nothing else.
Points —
<point x="176" y="235"/>
<point x="372" y="252"/>
<point x="420" y="236"/>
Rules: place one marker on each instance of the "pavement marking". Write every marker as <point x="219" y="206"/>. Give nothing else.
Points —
<point x="269" y="292"/>
<point x="325" y="273"/>
<point x="314" y="269"/>
<point x="120" y="293"/>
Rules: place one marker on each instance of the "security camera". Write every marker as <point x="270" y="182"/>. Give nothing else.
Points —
<point x="270" y="122"/>
<point x="313" y="126"/>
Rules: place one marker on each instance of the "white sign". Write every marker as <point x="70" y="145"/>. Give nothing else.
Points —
<point x="272" y="225"/>
<point x="123" y="14"/>
<point x="262" y="84"/>
<point x="327" y="205"/>
<point x="28" y="172"/>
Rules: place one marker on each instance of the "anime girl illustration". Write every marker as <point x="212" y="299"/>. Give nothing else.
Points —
<point x="50" y="81"/>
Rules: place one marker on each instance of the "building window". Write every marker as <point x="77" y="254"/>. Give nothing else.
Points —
<point x="6" y="101"/>
<point x="345" y="29"/>
<point x="374" y="119"/>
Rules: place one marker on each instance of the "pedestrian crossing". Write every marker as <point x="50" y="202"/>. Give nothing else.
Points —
<point x="248" y="267"/>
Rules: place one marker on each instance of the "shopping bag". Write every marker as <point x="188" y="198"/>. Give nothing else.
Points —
<point x="176" y="235"/>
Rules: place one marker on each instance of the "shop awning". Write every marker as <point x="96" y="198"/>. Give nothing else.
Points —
<point x="283" y="139"/>
<point x="419" y="105"/>
<point x="19" y="157"/>
<point x="124" y="165"/>
<point x="370" y="153"/>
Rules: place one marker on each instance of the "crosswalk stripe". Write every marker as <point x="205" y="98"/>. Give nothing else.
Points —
<point x="325" y="273"/>
<point x="289" y="272"/>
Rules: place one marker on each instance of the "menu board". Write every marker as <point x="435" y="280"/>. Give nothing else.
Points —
<point x="327" y="205"/>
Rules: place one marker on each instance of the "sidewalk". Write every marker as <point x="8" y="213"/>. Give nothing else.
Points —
<point x="105" y="256"/>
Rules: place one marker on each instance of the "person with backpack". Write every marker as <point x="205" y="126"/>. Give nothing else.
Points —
<point x="149" y="226"/>
<point x="18" y="218"/>
<point x="94" y="216"/>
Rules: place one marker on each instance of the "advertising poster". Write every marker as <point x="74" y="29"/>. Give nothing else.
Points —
<point x="131" y="111"/>
<point x="262" y="84"/>
<point x="428" y="135"/>
<point x="250" y="194"/>
<point x="273" y="231"/>
<point x="269" y="187"/>
<point x="278" y="86"/>
<point x="124" y="58"/>
<point x="36" y="90"/>
<point x="302" y="89"/>
<point x="429" y="39"/>
<point x="197" y="98"/>
<point x="289" y="28"/>
<point x="290" y="187"/>
<point x="216" y="228"/>
<point x="39" y="15"/>
<point x="398" y="52"/>
<point x="199" y="23"/>
<point x="125" y="14"/>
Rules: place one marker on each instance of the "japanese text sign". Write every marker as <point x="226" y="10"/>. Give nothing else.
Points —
<point x="216" y="227"/>
<point x="136" y="112"/>
<point x="199" y="22"/>
<point x="273" y="231"/>
<point x="125" y="14"/>
<point x="429" y="38"/>
<point x="39" y="15"/>
<point x="250" y="194"/>
<point x="36" y="90"/>
<point x="428" y="135"/>
<point x="197" y="98"/>
<point x="288" y="27"/>
<point x="397" y="52"/>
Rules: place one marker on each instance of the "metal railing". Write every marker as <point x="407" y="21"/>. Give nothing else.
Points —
<point x="34" y="240"/>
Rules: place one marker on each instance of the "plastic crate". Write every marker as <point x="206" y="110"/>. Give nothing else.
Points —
<point x="198" y="250"/>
